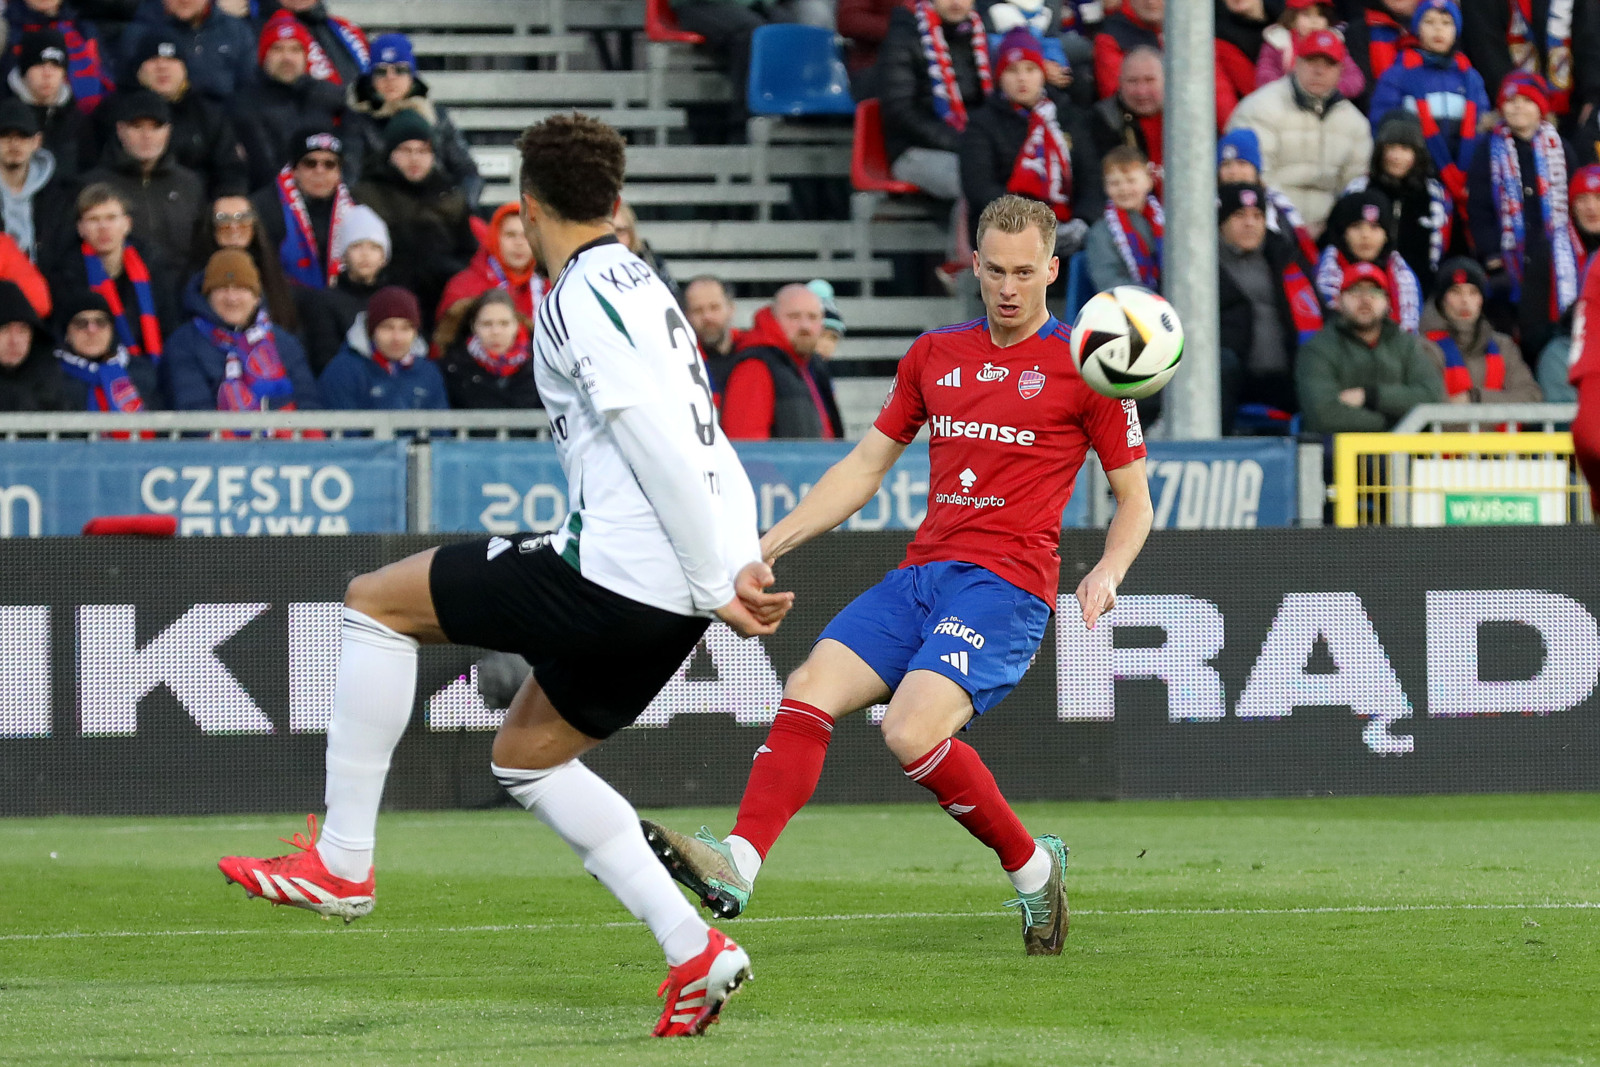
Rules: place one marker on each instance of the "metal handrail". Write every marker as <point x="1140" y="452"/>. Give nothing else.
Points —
<point x="379" y="425"/>
<point x="1433" y="417"/>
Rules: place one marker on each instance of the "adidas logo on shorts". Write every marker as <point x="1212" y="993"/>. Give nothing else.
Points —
<point x="497" y="545"/>
<point x="958" y="660"/>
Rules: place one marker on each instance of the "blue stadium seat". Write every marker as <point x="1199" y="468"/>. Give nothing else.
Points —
<point x="796" y="70"/>
<point x="1079" y="287"/>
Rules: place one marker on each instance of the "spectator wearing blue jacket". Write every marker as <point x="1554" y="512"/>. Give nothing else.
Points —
<point x="1437" y="82"/>
<point x="229" y="355"/>
<point x="218" y="49"/>
<point x="384" y="363"/>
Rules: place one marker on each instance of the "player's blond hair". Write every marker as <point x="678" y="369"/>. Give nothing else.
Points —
<point x="1013" y="214"/>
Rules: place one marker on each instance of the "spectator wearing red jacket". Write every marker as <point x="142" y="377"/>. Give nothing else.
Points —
<point x="1138" y="24"/>
<point x="781" y="387"/>
<point x="503" y="261"/>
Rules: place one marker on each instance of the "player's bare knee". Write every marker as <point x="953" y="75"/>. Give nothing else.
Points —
<point x="909" y="736"/>
<point x="362" y="594"/>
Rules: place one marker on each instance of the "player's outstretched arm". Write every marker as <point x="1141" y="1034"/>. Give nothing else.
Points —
<point x="842" y="492"/>
<point x="1097" y="593"/>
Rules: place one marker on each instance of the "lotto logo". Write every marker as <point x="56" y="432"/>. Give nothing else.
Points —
<point x="991" y="373"/>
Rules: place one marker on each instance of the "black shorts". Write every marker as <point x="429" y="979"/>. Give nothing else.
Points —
<point x="599" y="656"/>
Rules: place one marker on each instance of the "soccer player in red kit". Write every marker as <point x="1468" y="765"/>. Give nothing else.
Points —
<point x="1584" y="373"/>
<point x="950" y="633"/>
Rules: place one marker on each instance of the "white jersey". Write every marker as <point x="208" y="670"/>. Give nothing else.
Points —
<point x="609" y="339"/>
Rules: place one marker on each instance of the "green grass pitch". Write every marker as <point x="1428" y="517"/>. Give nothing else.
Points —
<point x="1441" y="930"/>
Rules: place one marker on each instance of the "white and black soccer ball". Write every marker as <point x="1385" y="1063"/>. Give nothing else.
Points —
<point x="1126" y="342"/>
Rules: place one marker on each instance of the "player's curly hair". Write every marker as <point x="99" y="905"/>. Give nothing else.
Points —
<point x="573" y="165"/>
<point x="1013" y="214"/>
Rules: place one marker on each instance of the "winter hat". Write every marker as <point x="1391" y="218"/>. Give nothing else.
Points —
<point x="1368" y="205"/>
<point x="162" y="42"/>
<point x="1356" y="273"/>
<point x="143" y="104"/>
<point x="393" y="48"/>
<point x="393" y="302"/>
<point x="78" y="302"/>
<point x="1529" y="86"/>
<point x="231" y="267"/>
<point x="361" y="223"/>
<point x="1019" y="46"/>
<point x="1402" y="127"/>
<point x="14" y="306"/>
<point x="1458" y="270"/>
<point x="1324" y="43"/>
<point x="1585" y="180"/>
<point x="407" y="125"/>
<point x="42" y="46"/>
<point x="1233" y="197"/>
<point x="17" y="117"/>
<point x="314" y="139"/>
<point x="282" y="27"/>
<point x="1240" y="144"/>
<point x="831" y="319"/>
<point x="1447" y="6"/>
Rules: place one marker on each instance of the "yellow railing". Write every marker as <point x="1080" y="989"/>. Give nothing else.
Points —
<point x="1451" y="479"/>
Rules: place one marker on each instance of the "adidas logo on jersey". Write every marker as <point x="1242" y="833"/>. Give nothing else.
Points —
<point x="991" y="373"/>
<point x="958" y="660"/>
<point x="953" y="379"/>
<point x="497" y="545"/>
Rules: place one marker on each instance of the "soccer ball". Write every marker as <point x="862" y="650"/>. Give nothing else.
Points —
<point x="1127" y="342"/>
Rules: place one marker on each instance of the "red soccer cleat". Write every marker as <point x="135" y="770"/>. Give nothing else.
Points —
<point x="696" y="990"/>
<point x="300" y="880"/>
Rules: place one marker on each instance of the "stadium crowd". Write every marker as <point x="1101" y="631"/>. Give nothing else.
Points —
<point x="229" y="204"/>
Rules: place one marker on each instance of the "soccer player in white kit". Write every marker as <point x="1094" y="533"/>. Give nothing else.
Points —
<point x="662" y="536"/>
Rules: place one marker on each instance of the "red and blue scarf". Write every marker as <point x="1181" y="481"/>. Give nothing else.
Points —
<point x="506" y="363"/>
<point x="1452" y="165"/>
<point x="1143" y="261"/>
<point x="1505" y="175"/>
<point x="1386" y="39"/>
<point x="322" y="68"/>
<point x="301" y="260"/>
<point x="110" y="388"/>
<point x="1303" y="306"/>
<point x="253" y="378"/>
<point x="86" y="72"/>
<point x="1457" y="378"/>
<point x="1557" y="47"/>
<point x="947" y="102"/>
<point x="147" y="341"/>
<point x="1043" y="170"/>
<point x="1403" y="288"/>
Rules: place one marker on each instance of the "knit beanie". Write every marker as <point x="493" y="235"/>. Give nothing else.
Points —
<point x="1240" y="144"/>
<point x="1368" y="205"/>
<point x="1447" y="6"/>
<point x="361" y="223"/>
<point x="281" y="27"/>
<point x="1236" y="196"/>
<point x="231" y="267"/>
<point x="393" y="48"/>
<point x="393" y="302"/>
<point x="1402" y="127"/>
<point x="311" y="139"/>
<point x="1585" y="180"/>
<point x="407" y="125"/>
<point x="1528" y="86"/>
<point x="160" y="41"/>
<point x="831" y="319"/>
<point x="41" y="46"/>
<point x="1019" y="46"/>
<point x="1458" y="270"/>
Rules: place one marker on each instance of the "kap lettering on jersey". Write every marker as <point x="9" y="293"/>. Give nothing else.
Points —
<point x="506" y="487"/>
<point x="214" y="488"/>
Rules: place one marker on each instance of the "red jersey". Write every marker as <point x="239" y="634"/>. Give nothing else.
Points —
<point x="1584" y="358"/>
<point x="1008" y="431"/>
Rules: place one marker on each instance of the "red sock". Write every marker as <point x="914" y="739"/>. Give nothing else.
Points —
<point x="785" y="773"/>
<point x="954" y="772"/>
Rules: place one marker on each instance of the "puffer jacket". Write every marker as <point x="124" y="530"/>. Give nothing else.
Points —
<point x="1519" y="386"/>
<point x="1309" y="151"/>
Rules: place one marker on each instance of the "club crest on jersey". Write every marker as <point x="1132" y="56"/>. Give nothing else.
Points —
<point x="1030" y="383"/>
<point x="991" y="373"/>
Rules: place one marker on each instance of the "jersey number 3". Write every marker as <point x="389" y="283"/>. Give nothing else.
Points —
<point x="705" y="429"/>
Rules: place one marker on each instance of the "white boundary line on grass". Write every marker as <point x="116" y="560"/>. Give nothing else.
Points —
<point x="1349" y="909"/>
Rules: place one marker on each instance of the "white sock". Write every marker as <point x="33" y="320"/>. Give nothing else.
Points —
<point x="603" y="829"/>
<point x="1032" y="876"/>
<point x="371" y="706"/>
<point x="745" y="856"/>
